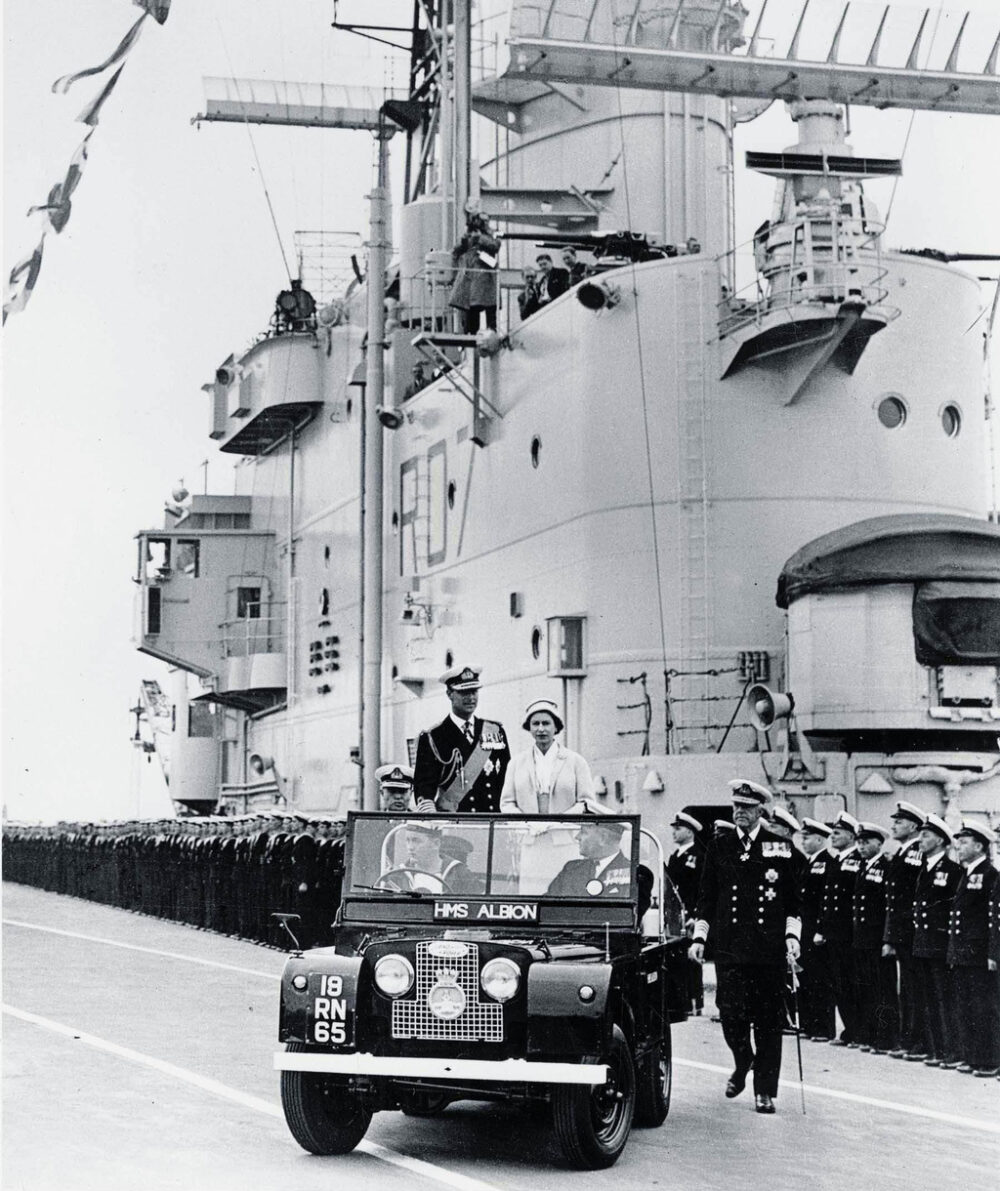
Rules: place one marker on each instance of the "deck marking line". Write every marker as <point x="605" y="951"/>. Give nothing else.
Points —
<point x="911" y="1110"/>
<point x="414" y="1165"/>
<point x="191" y="959"/>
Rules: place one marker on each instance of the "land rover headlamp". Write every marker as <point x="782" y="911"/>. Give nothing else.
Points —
<point x="500" y="979"/>
<point x="394" y="975"/>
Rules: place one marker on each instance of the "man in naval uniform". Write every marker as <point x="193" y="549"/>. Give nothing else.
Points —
<point x="395" y="787"/>
<point x="684" y="870"/>
<point x="748" y="905"/>
<point x="460" y="763"/>
<point x="817" y="1015"/>
<point x="932" y="902"/>
<point x="977" y="994"/>
<point x="601" y="859"/>
<point x="876" y="974"/>
<point x="835" y="930"/>
<point x="897" y="941"/>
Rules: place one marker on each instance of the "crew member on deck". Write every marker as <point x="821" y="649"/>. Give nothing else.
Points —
<point x="461" y="763"/>
<point x="835" y="930"/>
<point x="974" y="973"/>
<point x="901" y="883"/>
<point x="878" y="1028"/>
<point x="932" y="901"/>
<point x="817" y="1015"/>
<point x="684" y="869"/>
<point x="749" y="905"/>
<point x="395" y="787"/>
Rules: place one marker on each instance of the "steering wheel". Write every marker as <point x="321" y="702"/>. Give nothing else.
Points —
<point x="390" y="880"/>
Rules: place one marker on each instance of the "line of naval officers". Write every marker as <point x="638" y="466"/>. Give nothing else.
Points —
<point x="219" y="873"/>
<point x="903" y="945"/>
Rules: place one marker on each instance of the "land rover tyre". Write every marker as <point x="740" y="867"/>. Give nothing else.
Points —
<point x="592" y="1124"/>
<point x="322" y="1112"/>
<point x="654" y="1074"/>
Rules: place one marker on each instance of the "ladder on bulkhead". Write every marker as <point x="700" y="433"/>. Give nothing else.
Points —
<point x="692" y="543"/>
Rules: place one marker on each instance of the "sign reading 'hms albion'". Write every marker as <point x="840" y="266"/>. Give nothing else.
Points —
<point x="487" y="911"/>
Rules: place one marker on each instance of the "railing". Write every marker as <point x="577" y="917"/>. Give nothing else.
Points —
<point x="252" y="634"/>
<point x="427" y="294"/>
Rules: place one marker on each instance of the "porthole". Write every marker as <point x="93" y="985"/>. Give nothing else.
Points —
<point x="951" y="420"/>
<point x="536" y="642"/>
<point x="536" y="450"/>
<point x="452" y="489"/>
<point x="892" y="411"/>
<point x="395" y="523"/>
<point x="449" y="660"/>
<point x="326" y="555"/>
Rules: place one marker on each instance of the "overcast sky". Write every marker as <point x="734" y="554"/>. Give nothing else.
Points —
<point x="170" y="262"/>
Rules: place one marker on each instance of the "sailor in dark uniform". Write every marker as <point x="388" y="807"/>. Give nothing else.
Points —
<point x="977" y="994"/>
<point x="897" y="941"/>
<point x="934" y="986"/>
<point x="817" y="1012"/>
<point x="601" y="859"/>
<point x="684" y="870"/>
<point x="460" y="763"/>
<point x="878" y="1028"/>
<point x="749" y="906"/>
<point x="836" y="924"/>
<point x="426" y="857"/>
<point x="395" y="787"/>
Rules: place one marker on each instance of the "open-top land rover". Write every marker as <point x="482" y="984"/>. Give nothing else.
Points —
<point x="533" y="958"/>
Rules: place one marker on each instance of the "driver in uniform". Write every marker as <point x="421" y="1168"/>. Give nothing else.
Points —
<point x="424" y="855"/>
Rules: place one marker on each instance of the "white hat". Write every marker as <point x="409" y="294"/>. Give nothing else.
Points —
<point x="749" y="793"/>
<point x="783" y="815"/>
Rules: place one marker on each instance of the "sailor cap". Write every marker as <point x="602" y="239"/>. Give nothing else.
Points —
<point x="846" y="822"/>
<point x="936" y="824"/>
<point x="423" y="828"/>
<point x="394" y="775"/>
<point x="906" y="810"/>
<point x="815" y="827"/>
<point x="783" y="815"/>
<point x="683" y="819"/>
<point x="748" y="793"/>
<point x="977" y="830"/>
<point x="872" y="829"/>
<point x="462" y="678"/>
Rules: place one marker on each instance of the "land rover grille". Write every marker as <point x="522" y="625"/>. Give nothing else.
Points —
<point x="480" y="1020"/>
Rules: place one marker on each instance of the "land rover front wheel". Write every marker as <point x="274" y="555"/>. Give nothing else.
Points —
<point x="592" y="1123"/>
<point x="324" y="1114"/>
<point x="653" y="1076"/>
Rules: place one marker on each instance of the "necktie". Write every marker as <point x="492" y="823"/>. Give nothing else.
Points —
<point x="468" y="731"/>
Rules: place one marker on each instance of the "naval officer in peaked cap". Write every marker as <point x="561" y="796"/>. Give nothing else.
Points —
<point x="684" y="869"/>
<point x="461" y="762"/>
<point x="974" y="972"/>
<point x="748" y="905"/>
<point x="937" y="883"/>
<point x="897" y="939"/>
<point x="395" y="787"/>
<point x="835" y="929"/>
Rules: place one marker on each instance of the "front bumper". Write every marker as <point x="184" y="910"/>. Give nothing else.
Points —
<point x="489" y="1071"/>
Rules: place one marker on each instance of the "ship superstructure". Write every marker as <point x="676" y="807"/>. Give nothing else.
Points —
<point x="599" y="503"/>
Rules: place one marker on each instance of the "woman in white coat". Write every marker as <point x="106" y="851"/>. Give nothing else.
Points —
<point x="548" y="778"/>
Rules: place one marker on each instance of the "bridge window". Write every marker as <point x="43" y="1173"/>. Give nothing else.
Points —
<point x="951" y="420"/>
<point x="248" y="603"/>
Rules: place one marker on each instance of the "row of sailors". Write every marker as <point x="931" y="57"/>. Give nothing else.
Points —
<point x="904" y="945"/>
<point x="223" y="874"/>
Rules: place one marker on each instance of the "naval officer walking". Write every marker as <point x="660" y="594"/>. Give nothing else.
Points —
<point x="748" y="905"/>
<point x="461" y="762"/>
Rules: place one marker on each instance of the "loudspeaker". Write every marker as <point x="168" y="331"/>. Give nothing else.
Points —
<point x="260" y="764"/>
<point x="766" y="706"/>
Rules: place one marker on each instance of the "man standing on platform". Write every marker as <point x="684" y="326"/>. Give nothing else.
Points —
<point x="684" y="870"/>
<point x="460" y="763"/>
<point x="749" y="906"/>
<point x="901" y="883"/>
